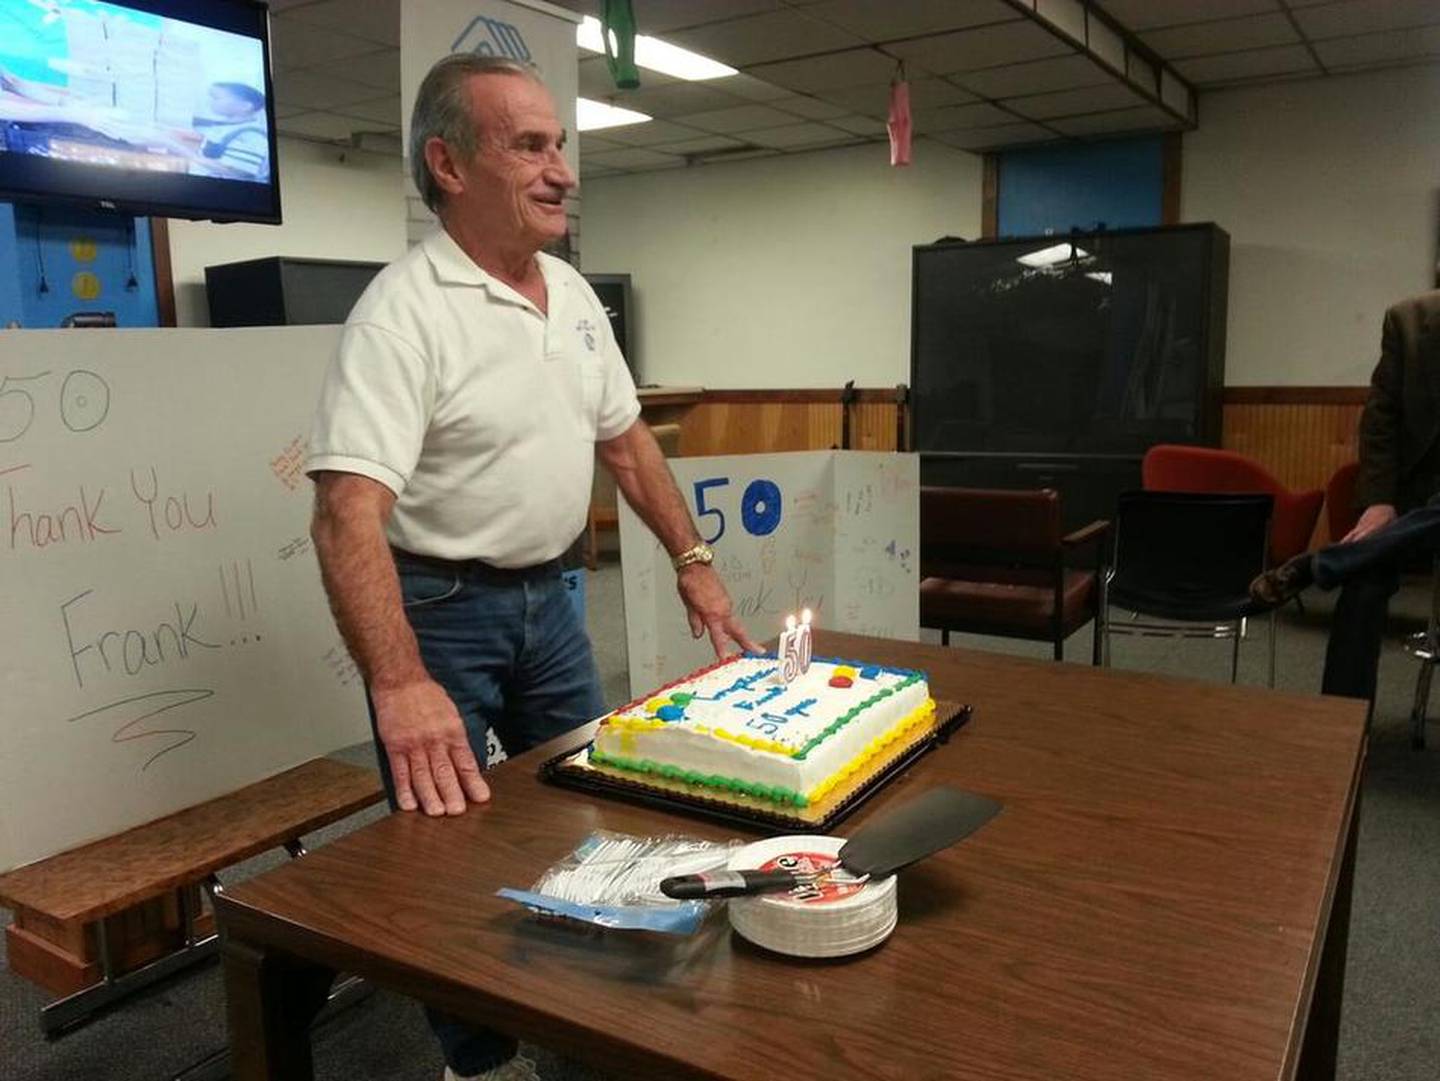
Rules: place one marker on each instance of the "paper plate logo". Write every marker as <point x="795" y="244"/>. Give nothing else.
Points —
<point x="491" y="37"/>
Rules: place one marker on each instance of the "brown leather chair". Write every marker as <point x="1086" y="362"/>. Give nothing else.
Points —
<point x="995" y="562"/>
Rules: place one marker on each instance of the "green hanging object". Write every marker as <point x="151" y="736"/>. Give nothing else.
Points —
<point x="618" y="18"/>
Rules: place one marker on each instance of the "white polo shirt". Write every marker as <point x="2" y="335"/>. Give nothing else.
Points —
<point x="476" y="410"/>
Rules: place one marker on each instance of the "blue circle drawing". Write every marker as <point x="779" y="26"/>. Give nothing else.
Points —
<point x="760" y="507"/>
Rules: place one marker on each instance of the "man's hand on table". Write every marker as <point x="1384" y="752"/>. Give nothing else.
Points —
<point x="430" y="758"/>
<point x="708" y="606"/>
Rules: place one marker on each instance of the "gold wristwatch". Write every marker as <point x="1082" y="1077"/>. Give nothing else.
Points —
<point x="701" y="553"/>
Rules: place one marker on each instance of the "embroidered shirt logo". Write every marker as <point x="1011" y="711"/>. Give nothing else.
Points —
<point x="587" y="330"/>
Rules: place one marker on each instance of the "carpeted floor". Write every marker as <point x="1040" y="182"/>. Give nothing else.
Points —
<point x="1393" y="980"/>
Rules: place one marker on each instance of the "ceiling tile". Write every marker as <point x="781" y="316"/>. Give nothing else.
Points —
<point x="738" y="118"/>
<point x="1366" y="17"/>
<point x="907" y="18"/>
<point x="1147" y="14"/>
<point x="380" y="69"/>
<point x="674" y="99"/>
<point x="704" y="144"/>
<point x="320" y="125"/>
<point x="985" y="47"/>
<point x="1036" y="77"/>
<point x="993" y="138"/>
<point x="375" y="20"/>
<point x="1147" y="118"/>
<point x="660" y="16"/>
<point x="635" y="157"/>
<point x="808" y="107"/>
<point x="859" y="125"/>
<point x="1222" y="36"/>
<point x="793" y="135"/>
<point x="590" y="171"/>
<point x="750" y="88"/>
<point x="313" y="90"/>
<point x="1089" y="99"/>
<point x="853" y="67"/>
<point x="954" y="117"/>
<point x="1251" y="64"/>
<point x="656" y="131"/>
<point x="757" y="38"/>
<point x="384" y="111"/>
<point x="1370" y="49"/>
<point x="874" y="99"/>
<point x="294" y="44"/>
<point x="594" y="79"/>
<point x="594" y="144"/>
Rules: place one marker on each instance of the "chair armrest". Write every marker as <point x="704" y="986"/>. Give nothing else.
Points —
<point x="1086" y="534"/>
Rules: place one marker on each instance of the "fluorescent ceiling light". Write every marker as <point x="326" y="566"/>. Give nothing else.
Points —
<point x="655" y="54"/>
<point x="594" y="115"/>
<point x="1057" y="253"/>
<point x="1104" y="277"/>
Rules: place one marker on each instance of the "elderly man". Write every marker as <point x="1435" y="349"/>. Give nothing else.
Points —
<point x="452" y="455"/>
<point x="1397" y="485"/>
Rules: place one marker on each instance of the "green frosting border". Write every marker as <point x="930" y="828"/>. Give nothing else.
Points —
<point x="776" y="793"/>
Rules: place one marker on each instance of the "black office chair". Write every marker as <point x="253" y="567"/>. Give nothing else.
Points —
<point x="1183" y="565"/>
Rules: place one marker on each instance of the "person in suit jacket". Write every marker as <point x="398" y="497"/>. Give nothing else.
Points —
<point x="1397" y="487"/>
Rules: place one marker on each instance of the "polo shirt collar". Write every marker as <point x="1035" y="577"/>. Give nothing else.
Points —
<point x="452" y="266"/>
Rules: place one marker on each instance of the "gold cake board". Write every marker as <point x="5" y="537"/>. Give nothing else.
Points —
<point x="574" y="770"/>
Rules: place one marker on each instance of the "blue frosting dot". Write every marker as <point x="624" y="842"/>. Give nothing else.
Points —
<point x="670" y="713"/>
<point x="871" y="671"/>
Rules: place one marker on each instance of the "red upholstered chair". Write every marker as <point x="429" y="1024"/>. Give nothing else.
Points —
<point x="1341" y="513"/>
<point x="996" y="562"/>
<point x="1174" y="468"/>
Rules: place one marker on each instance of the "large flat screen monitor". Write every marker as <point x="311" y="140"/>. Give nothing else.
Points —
<point x="157" y="107"/>
<point x="1100" y="344"/>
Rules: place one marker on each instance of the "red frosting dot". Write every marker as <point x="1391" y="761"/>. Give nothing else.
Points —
<point x="841" y="681"/>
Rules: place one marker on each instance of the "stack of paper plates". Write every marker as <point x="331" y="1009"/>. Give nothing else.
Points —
<point x="833" y="918"/>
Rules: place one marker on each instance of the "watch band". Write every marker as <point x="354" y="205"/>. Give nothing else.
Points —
<point x="701" y="553"/>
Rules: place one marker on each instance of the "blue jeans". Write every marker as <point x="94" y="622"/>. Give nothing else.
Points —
<point x="510" y="650"/>
<point x="1368" y="572"/>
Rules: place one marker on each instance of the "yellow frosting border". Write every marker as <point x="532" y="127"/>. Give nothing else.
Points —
<point x="920" y="716"/>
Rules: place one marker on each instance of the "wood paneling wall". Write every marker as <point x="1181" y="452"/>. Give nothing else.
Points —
<point x="758" y="422"/>
<point x="1301" y="434"/>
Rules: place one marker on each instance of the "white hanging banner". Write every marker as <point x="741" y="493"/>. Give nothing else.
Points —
<point x="837" y="532"/>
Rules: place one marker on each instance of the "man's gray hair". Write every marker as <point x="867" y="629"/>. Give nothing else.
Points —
<point x="442" y="110"/>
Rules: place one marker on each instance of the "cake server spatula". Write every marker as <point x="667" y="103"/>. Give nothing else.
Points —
<point x="894" y="839"/>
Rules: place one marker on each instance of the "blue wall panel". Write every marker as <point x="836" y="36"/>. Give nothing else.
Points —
<point x="1054" y="189"/>
<point x="90" y="260"/>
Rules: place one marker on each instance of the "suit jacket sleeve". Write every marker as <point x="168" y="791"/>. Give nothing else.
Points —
<point x="1380" y="423"/>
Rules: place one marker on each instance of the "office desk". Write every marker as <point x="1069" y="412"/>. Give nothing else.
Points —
<point x="1152" y="903"/>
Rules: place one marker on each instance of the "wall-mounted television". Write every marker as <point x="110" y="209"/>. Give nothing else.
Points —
<point x="160" y="107"/>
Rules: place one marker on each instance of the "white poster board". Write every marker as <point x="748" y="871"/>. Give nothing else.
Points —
<point x="530" y="31"/>
<point x="837" y="532"/>
<point x="166" y="637"/>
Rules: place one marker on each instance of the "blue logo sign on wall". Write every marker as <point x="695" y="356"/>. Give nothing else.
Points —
<point x="491" y="37"/>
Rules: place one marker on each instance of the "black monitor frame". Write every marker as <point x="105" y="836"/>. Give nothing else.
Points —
<point x="132" y="192"/>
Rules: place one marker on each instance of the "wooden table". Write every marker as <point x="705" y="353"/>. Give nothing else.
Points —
<point x="1152" y="903"/>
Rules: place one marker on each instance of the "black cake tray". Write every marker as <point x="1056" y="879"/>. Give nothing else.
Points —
<point x="568" y="771"/>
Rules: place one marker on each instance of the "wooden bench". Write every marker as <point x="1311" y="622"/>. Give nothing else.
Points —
<point x="98" y="922"/>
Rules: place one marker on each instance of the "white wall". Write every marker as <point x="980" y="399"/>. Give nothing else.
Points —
<point x="336" y="205"/>
<point x="1328" y="189"/>
<point x="780" y="272"/>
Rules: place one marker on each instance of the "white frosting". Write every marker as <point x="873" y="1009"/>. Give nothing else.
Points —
<point x="744" y="698"/>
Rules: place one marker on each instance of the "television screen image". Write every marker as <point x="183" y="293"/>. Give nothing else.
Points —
<point x="158" y="106"/>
